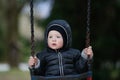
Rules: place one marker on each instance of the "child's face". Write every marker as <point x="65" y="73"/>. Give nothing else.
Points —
<point x="55" y="40"/>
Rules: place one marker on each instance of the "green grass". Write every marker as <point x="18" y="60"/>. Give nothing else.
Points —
<point x="15" y="75"/>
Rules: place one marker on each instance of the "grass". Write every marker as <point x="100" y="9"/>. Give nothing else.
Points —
<point x="15" y="74"/>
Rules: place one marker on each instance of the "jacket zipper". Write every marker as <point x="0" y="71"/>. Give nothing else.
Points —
<point x="60" y="64"/>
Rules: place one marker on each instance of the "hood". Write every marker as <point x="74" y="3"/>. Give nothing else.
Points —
<point x="65" y="26"/>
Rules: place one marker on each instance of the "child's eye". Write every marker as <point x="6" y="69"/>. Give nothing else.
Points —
<point x="50" y="37"/>
<point x="58" y="37"/>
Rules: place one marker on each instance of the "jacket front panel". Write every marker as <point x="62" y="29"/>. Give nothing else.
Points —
<point x="60" y="63"/>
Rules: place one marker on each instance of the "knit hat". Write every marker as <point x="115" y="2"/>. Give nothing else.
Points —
<point x="64" y="29"/>
<point x="61" y="30"/>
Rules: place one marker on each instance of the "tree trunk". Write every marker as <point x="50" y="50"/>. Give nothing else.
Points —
<point x="12" y="33"/>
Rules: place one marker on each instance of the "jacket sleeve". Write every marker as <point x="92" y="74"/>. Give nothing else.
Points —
<point x="80" y="62"/>
<point x="39" y="69"/>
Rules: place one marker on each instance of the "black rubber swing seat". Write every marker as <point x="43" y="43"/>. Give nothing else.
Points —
<point x="67" y="77"/>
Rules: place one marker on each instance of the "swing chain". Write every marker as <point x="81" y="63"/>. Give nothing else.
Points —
<point x="32" y="28"/>
<point x="88" y="26"/>
<point x="88" y="37"/>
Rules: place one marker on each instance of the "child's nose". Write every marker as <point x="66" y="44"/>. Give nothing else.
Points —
<point x="54" y="39"/>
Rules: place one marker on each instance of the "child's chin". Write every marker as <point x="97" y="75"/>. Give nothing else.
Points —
<point x="55" y="48"/>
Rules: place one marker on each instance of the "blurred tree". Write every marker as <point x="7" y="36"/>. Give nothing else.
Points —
<point x="10" y="10"/>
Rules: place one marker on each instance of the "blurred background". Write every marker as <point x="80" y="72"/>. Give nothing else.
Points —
<point x="15" y="33"/>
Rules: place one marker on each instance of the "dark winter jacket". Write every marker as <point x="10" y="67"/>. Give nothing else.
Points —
<point x="65" y="61"/>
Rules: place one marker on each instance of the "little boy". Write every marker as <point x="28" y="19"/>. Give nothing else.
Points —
<point x="59" y="59"/>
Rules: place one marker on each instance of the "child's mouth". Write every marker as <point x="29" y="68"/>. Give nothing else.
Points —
<point x="54" y="44"/>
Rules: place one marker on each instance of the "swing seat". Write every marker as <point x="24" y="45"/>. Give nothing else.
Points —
<point x="67" y="77"/>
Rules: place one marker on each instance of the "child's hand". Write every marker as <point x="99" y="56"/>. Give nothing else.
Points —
<point x="88" y="51"/>
<point x="32" y="61"/>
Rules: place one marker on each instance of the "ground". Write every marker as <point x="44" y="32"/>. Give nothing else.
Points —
<point x="15" y="74"/>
